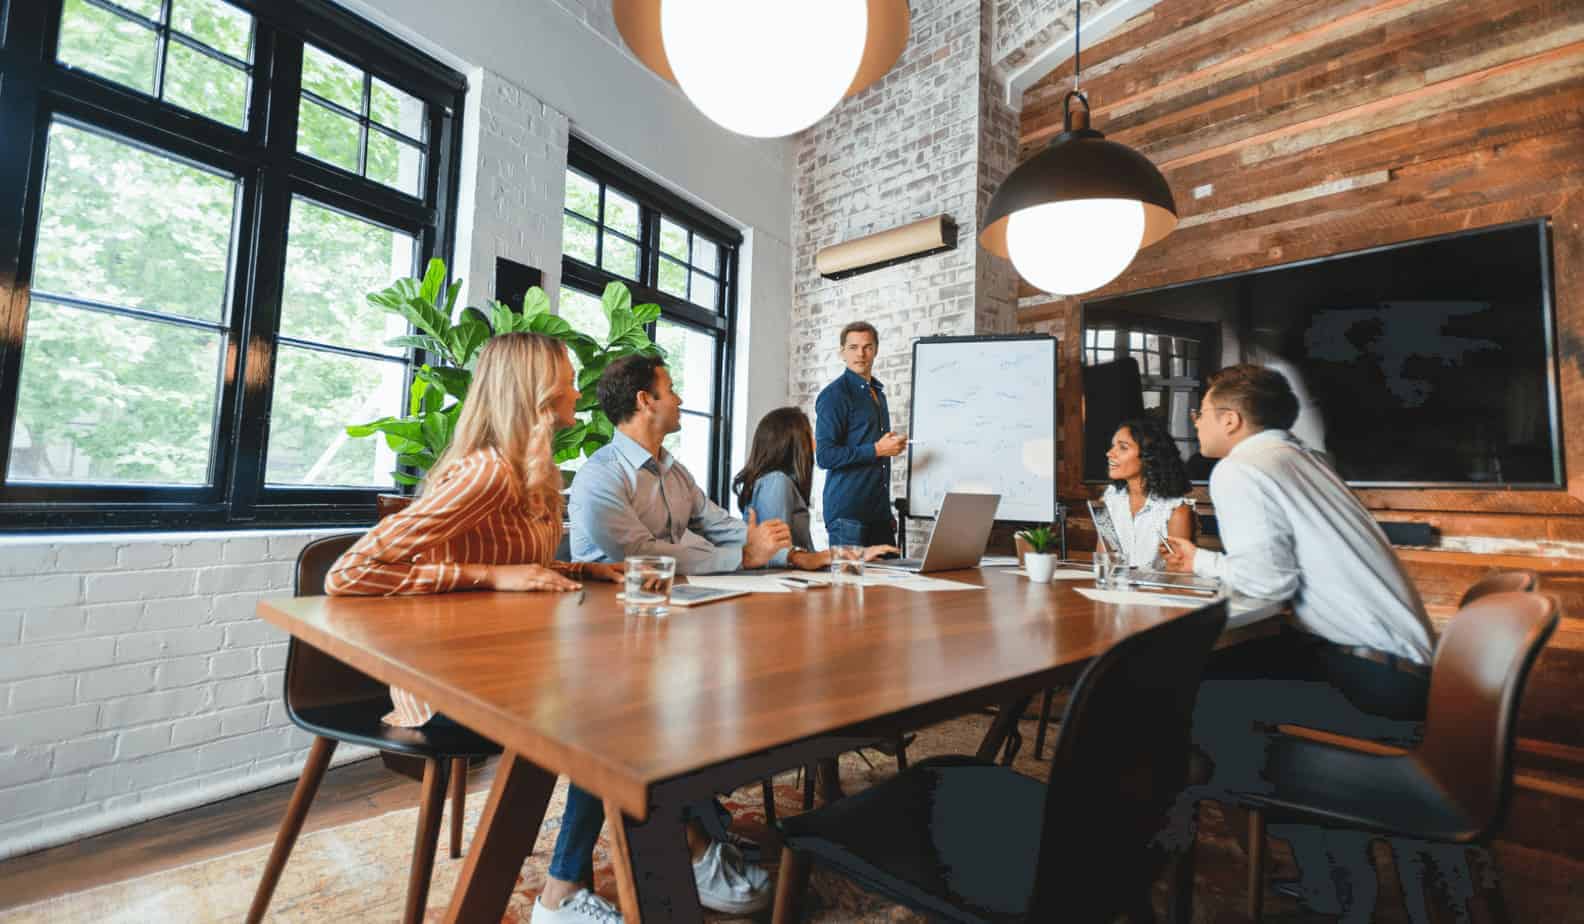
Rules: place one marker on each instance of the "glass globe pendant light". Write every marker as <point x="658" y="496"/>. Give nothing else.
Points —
<point x="765" y="68"/>
<point x="1072" y="217"/>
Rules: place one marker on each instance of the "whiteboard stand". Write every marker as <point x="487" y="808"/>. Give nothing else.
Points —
<point x="982" y="417"/>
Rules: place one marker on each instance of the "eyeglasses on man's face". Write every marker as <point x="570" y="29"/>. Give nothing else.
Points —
<point x="1195" y="413"/>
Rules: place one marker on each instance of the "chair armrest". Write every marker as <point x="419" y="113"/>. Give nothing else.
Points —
<point x="1362" y="745"/>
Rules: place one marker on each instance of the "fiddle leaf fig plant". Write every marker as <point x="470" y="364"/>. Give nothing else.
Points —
<point x="439" y="388"/>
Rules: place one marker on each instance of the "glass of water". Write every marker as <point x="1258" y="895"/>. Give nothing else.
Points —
<point x="847" y="564"/>
<point x="1102" y="565"/>
<point x="649" y="580"/>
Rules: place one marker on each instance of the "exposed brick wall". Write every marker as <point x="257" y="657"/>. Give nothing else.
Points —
<point x="513" y="188"/>
<point x="135" y="677"/>
<point x="933" y="136"/>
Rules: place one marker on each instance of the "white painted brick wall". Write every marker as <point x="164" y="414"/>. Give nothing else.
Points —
<point x="933" y="136"/>
<point x="136" y="678"/>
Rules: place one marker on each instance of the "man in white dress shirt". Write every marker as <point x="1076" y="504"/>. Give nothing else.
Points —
<point x="1358" y="663"/>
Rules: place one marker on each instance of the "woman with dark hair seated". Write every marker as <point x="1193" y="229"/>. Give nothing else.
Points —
<point x="1148" y="494"/>
<point x="776" y="482"/>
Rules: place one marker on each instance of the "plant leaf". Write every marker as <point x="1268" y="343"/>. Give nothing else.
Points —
<point x="406" y="479"/>
<point x="433" y="282"/>
<point x="502" y="318"/>
<point x="535" y="301"/>
<point x="550" y="325"/>
<point x="418" y="341"/>
<point x="469" y="336"/>
<point x="616" y="298"/>
<point x="646" y="314"/>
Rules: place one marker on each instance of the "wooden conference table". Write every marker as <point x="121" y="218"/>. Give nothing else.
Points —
<point x="651" y="714"/>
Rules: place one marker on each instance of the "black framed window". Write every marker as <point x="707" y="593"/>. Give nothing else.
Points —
<point x="619" y="226"/>
<point x="197" y="195"/>
<point x="1169" y="362"/>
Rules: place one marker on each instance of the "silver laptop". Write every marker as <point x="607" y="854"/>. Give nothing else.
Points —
<point x="961" y="533"/>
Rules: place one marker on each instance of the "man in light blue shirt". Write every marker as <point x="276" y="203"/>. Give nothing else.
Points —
<point x="633" y="497"/>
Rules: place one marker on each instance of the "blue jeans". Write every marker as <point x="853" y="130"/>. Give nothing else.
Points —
<point x="573" y="860"/>
<point x="847" y="531"/>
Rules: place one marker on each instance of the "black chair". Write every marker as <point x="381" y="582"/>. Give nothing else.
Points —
<point x="1454" y="788"/>
<point x="965" y="840"/>
<point x="335" y="703"/>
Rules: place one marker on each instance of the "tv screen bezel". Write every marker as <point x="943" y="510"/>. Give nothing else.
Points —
<point x="1547" y="319"/>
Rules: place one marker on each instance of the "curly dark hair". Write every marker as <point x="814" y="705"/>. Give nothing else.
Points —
<point x="623" y="380"/>
<point x="1165" y="476"/>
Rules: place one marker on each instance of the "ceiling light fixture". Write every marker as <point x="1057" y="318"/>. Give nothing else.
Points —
<point x="765" y="68"/>
<point x="1072" y="217"/>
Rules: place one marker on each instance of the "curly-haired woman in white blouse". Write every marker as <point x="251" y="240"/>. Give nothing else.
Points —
<point x="1148" y="493"/>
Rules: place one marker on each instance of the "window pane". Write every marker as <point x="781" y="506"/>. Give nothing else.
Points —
<point x="212" y="88"/>
<point x="219" y="25"/>
<point x="584" y="313"/>
<point x="397" y="164"/>
<point x="1107" y="337"/>
<point x="332" y="78"/>
<point x="582" y="195"/>
<point x="327" y="135"/>
<point x="392" y="108"/>
<point x="621" y="213"/>
<point x="691" y="446"/>
<point x="673" y="277"/>
<point x="703" y="291"/>
<point x="1152" y="364"/>
<point x="316" y="396"/>
<point x="673" y="240"/>
<point x="690" y="355"/>
<point x="577" y="239"/>
<point x="333" y="261"/>
<point x="1104" y="356"/>
<point x="142" y="412"/>
<point x="620" y="256"/>
<point x="1135" y="341"/>
<point x="121" y="225"/>
<point x="146" y="8"/>
<point x="706" y="256"/>
<point x="111" y="46"/>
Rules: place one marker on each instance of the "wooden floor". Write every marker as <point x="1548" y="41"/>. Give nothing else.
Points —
<point x="351" y="792"/>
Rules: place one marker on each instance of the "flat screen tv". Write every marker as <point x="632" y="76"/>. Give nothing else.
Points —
<point x="1424" y="363"/>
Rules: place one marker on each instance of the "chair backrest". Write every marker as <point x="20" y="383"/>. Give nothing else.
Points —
<point x="1119" y="764"/>
<point x="1481" y="665"/>
<point x="1501" y="582"/>
<point x="313" y="678"/>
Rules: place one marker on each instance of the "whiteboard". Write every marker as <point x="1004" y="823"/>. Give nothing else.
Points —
<point x="983" y="420"/>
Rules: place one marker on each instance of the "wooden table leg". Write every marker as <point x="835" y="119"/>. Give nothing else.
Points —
<point x="506" y="834"/>
<point x="1004" y="726"/>
<point x="654" y="870"/>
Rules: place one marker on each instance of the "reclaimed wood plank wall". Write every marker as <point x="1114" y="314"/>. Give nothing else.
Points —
<point x="1295" y="129"/>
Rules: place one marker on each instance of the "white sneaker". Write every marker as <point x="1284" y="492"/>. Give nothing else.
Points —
<point x="582" y="907"/>
<point x="729" y="884"/>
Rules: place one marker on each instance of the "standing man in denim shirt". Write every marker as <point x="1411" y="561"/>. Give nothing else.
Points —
<point x="854" y="443"/>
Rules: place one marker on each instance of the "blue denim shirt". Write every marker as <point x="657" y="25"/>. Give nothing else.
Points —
<point x="626" y="502"/>
<point x="776" y="497"/>
<point x="847" y="424"/>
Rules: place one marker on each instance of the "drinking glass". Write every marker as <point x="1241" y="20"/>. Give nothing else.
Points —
<point x="649" y="580"/>
<point x="1102" y="565"/>
<point x="847" y="564"/>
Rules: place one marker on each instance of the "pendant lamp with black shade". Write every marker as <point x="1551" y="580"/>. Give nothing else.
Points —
<point x="1072" y="217"/>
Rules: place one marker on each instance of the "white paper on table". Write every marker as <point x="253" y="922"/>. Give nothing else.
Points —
<point x="998" y="561"/>
<point x="922" y="584"/>
<point x="1142" y="598"/>
<point x="752" y="583"/>
<point x="1061" y="574"/>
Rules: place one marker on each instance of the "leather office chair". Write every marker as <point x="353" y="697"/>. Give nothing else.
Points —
<point x="335" y="702"/>
<point x="1455" y="786"/>
<point x="1501" y="582"/>
<point x="966" y="840"/>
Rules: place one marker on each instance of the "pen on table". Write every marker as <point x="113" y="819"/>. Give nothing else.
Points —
<point x="582" y="592"/>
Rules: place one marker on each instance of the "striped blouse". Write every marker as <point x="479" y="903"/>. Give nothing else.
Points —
<point x="474" y="514"/>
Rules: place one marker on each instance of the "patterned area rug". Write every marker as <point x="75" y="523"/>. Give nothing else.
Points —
<point x="358" y="872"/>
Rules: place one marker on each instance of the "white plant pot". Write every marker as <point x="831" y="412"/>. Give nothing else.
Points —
<point x="1039" y="567"/>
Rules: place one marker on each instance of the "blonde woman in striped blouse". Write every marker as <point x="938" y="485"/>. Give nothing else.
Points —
<point x="488" y="517"/>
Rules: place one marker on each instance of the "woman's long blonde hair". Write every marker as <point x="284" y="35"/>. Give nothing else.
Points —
<point x="508" y="409"/>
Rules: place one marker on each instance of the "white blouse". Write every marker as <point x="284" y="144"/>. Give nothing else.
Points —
<point x="1140" y="533"/>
